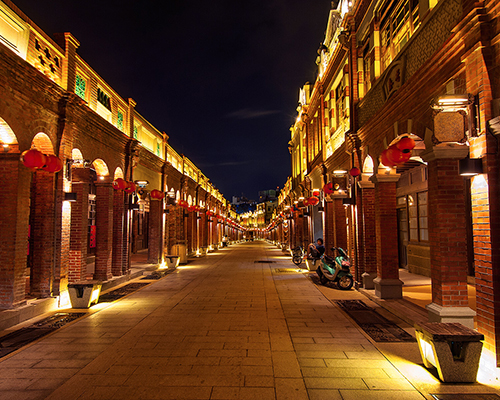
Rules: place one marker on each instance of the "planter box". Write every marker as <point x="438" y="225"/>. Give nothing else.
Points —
<point x="83" y="294"/>
<point x="452" y="348"/>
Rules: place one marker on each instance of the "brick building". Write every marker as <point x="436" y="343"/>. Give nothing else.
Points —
<point x="389" y="71"/>
<point x="78" y="223"/>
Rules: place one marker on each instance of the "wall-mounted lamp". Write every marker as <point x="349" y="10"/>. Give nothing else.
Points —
<point x="70" y="196"/>
<point x="6" y="147"/>
<point x="321" y="209"/>
<point x="470" y="166"/>
<point x="452" y="102"/>
<point x="141" y="183"/>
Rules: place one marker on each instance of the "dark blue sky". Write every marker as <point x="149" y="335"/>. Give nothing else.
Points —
<point x="220" y="77"/>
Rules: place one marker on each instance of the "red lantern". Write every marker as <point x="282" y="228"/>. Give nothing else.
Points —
<point x="328" y="188"/>
<point x="305" y="202"/>
<point x="130" y="187"/>
<point x="119" y="184"/>
<point x="33" y="159"/>
<point x="354" y="171"/>
<point x="316" y="192"/>
<point x="394" y="155"/>
<point x="405" y="143"/>
<point x="156" y="194"/>
<point x="385" y="160"/>
<point x="406" y="156"/>
<point x="190" y="208"/>
<point x="313" y="201"/>
<point x="52" y="163"/>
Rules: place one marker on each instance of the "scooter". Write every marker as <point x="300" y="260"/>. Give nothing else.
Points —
<point x="336" y="270"/>
<point x="298" y="255"/>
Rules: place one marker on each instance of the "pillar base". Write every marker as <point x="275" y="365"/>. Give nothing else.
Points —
<point x="463" y="315"/>
<point x="368" y="278"/>
<point x="388" y="288"/>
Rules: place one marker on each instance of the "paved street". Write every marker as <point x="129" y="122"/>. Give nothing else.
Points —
<point x="237" y="324"/>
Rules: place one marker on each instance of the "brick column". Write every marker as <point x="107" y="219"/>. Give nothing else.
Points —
<point x="79" y="225"/>
<point x="447" y="236"/>
<point x="69" y="43"/>
<point x="155" y="231"/>
<point x="119" y="225"/>
<point x="387" y="283"/>
<point x="14" y="197"/>
<point x="329" y="233"/>
<point x="42" y="233"/>
<point x="104" y="230"/>
<point x="367" y="241"/>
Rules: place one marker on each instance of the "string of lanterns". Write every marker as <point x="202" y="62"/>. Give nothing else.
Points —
<point x="36" y="160"/>
<point x="398" y="153"/>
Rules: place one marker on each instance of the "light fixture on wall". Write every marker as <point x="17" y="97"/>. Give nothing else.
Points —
<point x="141" y="183"/>
<point x="470" y="166"/>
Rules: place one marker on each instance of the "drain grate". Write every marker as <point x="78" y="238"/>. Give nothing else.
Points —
<point x="466" y="396"/>
<point x="375" y="325"/>
<point x="264" y="262"/>
<point x="155" y="275"/>
<point x="121" y="292"/>
<point x="286" y="270"/>
<point x="17" y="339"/>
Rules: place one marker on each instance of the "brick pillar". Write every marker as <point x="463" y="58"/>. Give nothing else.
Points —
<point x="42" y="233"/>
<point x="79" y="225"/>
<point x="127" y="237"/>
<point x="367" y="240"/>
<point x="155" y="240"/>
<point x="104" y="230"/>
<point x="68" y="42"/>
<point x="14" y="197"/>
<point x="329" y="233"/>
<point x="447" y="236"/>
<point x="119" y="225"/>
<point x="387" y="283"/>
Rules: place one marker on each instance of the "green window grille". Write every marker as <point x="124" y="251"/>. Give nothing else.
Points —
<point x="158" y="152"/>
<point x="119" y="120"/>
<point x="80" y="87"/>
<point x="136" y="132"/>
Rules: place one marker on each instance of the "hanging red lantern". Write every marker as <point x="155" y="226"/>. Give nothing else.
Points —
<point x="119" y="184"/>
<point x="313" y="201"/>
<point x="316" y="192"/>
<point x="33" y="159"/>
<point x="394" y="155"/>
<point x="354" y="171"/>
<point x="130" y="187"/>
<point x="157" y="194"/>
<point x="52" y="163"/>
<point x="190" y="208"/>
<point x="385" y="160"/>
<point x="405" y="143"/>
<point x="328" y="188"/>
<point x="406" y="156"/>
<point x="305" y="202"/>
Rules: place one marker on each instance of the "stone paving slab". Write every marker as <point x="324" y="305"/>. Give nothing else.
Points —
<point x="222" y="327"/>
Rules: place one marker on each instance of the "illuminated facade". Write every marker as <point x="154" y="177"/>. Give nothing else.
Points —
<point x="420" y="70"/>
<point x="75" y="224"/>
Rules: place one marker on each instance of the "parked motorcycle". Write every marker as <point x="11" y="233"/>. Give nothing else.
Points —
<point x="336" y="270"/>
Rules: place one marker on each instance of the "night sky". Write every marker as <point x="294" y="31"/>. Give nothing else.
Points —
<point x="220" y="77"/>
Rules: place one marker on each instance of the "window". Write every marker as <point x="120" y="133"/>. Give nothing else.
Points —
<point x="103" y="98"/>
<point x="422" y="217"/>
<point x="80" y="86"/>
<point x="136" y="132"/>
<point x="119" y="120"/>
<point x="417" y="217"/>
<point x="399" y="20"/>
